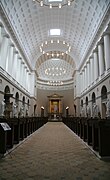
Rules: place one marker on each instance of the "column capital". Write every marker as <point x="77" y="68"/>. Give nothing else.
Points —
<point x="16" y="52"/>
<point x="95" y="50"/>
<point x="101" y="42"/>
<point x="91" y="57"/>
<point x="106" y="33"/>
<point x="6" y="36"/>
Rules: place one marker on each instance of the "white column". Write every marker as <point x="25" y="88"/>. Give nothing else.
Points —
<point x="8" y="58"/>
<point x="107" y="50"/>
<point x="88" y="73"/>
<point x="0" y="37"/>
<point x="96" y="69"/>
<point x="18" y="69"/>
<point x="4" y="51"/>
<point x="27" y="80"/>
<point x="85" y="77"/>
<point x="22" y="73"/>
<point x="80" y="82"/>
<point x="101" y="59"/>
<point x="10" y="55"/>
<point x="91" y="70"/>
<point x="14" y="71"/>
<point x="25" y="69"/>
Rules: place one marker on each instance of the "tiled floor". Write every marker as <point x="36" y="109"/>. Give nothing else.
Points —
<point x="53" y="153"/>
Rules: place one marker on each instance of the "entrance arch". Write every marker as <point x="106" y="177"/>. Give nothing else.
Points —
<point x="104" y="101"/>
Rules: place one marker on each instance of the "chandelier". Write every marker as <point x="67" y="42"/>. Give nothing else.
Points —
<point x="55" y="71"/>
<point x="54" y="3"/>
<point x="64" y="44"/>
<point x="55" y="83"/>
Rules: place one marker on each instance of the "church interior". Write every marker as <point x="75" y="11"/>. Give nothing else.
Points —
<point x="55" y="79"/>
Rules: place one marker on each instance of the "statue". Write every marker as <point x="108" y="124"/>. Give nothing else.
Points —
<point x="88" y="112"/>
<point x="26" y="112"/>
<point x="21" y="113"/>
<point x="96" y="112"/>
<point x="82" y="112"/>
<point x="2" y="108"/>
<point x="108" y="109"/>
<point x="14" y="110"/>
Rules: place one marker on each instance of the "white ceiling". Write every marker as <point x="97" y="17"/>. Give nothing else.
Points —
<point x="79" y="24"/>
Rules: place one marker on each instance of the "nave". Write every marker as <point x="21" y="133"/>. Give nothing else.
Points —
<point x="53" y="152"/>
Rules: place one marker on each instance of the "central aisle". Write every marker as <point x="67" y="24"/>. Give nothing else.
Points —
<point x="53" y="152"/>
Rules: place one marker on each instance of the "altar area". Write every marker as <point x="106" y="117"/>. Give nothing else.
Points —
<point x="55" y="107"/>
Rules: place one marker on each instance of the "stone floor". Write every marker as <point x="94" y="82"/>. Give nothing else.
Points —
<point x="53" y="152"/>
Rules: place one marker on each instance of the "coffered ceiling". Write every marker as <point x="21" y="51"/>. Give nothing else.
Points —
<point x="79" y="24"/>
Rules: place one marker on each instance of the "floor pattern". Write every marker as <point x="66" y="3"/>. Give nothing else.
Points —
<point x="53" y="152"/>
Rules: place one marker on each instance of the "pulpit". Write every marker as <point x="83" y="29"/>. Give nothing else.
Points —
<point x="55" y="107"/>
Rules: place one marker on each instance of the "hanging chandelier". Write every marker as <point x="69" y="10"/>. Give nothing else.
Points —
<point x="54" y="3"/>
<point x="65" y="45"/>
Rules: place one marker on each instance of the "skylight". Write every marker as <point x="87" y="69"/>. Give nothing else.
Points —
<point x="55" y="0"/>
<point x="55" y="32"/>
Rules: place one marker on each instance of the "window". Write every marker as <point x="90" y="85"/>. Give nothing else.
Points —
<point x="55" y="32"/>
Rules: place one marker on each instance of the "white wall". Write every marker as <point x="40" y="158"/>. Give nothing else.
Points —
<point x="67" y="100"/>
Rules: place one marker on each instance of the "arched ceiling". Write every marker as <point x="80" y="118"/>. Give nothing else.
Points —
<point x="78" y="24"/>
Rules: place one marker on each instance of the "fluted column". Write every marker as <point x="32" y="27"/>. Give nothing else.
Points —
<point x="27" y="80"/>
<point x="25" y="73"/>
<point x="85" y="76"/>
<point x="91" y="70"/>
<point x="88" y="73"/>
<point x="101" y="59"/>
<point x="96" y="69"/>
<point x="0" y="37"/>
<point x="4" y="51"/>
<point x="18" y="69"/>
<point x="22" y="73"/>
<point x="107" y="50"/>
<point x="10" y="55"/>
<point x="81" y="82"/>
<point x="14" y="70"/>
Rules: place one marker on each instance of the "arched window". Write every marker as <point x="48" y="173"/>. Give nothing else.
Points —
<point x="81" y="103"/>
<point x="7" y="90"/>
<point x="93" y="98"/>
<point x="86" y="101"/>
<point x="23" y="101"/>
<point x="7" y="94"/>
<point x="104" y="93"/>
<point x="28" y="103"/>
<point x="17" y="98"/>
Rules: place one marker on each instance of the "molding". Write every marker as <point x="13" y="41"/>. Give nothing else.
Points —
<point x="94" y="86"/>
<point x="12" y="34"/>
<point x="7" y="79"/>
<point x="99" y="33"/>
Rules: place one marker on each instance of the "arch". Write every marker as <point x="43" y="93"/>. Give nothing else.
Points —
<point x="17" y="97"/>
<point x="7" y="90"/>
<point x="86" y="100"/>
<point x="7" y="94"/>
<point x="104" y="100"/>
<point x="104" y="93"/>
<point x="93" y="98"/>
<point x="23" y="100"/>
<point x="28" y="102"/>
<point x="81" y="102"/>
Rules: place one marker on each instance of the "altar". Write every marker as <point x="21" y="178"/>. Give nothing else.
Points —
<point x="55" y="107"/>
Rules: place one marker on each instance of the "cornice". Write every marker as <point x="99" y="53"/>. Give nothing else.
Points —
<point x="99" y="33"/>
<point x="7" y="24"/>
